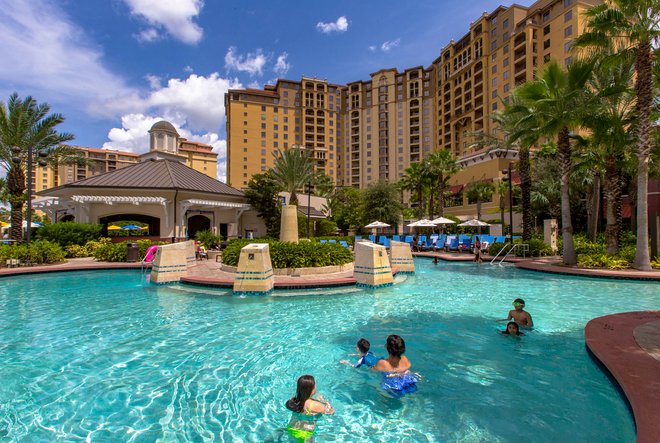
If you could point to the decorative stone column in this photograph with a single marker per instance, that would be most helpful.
(289, 224)
(372, 265)
(254, 275)
(550, 231)
(172, 262)
(401, 257)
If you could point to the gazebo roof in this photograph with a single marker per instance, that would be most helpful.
(155, 174)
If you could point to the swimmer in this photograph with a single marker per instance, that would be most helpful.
(512, 329)
(306, 409)
(435, 260)
(367, 358)
(397, 377)
(519, 315)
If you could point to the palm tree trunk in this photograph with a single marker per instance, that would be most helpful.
(479, 215)
(612, 198)
(593, 207)
(524, 169)
(564, 150)
(441, 196)
(644, 92)
(16, 187)
(420, 199)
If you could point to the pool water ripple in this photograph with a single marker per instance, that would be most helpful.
(109, 357)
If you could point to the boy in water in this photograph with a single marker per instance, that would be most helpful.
(519, 315)
(367, 358)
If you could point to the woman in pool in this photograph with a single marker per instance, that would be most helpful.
(306, 409)
(397, 378)
(512, 328)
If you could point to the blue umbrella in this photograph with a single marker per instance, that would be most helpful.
(131, 227)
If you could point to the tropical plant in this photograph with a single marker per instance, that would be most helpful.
(480, 192)
(442, 165)
(207, 238)
(632, 26)
(414, 180)
(69, 233)
(346, 208)
(305, 254)
(293, 169)
(381, 202)
(557, 100)
(24, 125)
(262, 194)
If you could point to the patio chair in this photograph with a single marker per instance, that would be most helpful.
(358, 237)
(332, 241)
(323, 241)
(344, 243)
(453, 244)
(382, 240)
(440, 243)
(465, 246)
(500, 239)
(372, 238)
(396, 237)
(408, 239)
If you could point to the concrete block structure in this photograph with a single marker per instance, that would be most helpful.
(372, 265)
(289, 224)
(254, 274)
(171, 262)
(401, 257)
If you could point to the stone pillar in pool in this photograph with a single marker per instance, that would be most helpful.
(254, 274)
(289, 224)
(372, 265)
(172, 261)
(401, 257)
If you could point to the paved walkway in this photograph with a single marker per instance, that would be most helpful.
(628, 344)
(72, 264)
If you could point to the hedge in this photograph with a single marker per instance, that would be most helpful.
(69, 233)
(38, 252)
(290, 255)
(116, 252)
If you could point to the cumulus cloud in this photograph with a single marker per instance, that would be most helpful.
(148, 35)
(341, 25)
(174, 16)
(281, 65)
(252, 63)
(388, 45)
(372, 48)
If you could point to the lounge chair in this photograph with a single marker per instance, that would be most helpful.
(440, 243)
(372, 238)
(323, 241)
(408, 239)
(358, 237)
(500, 239)
(332, 241)
(396, 237)
(344, 243)
(465, 246)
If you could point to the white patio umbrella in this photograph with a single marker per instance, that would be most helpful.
(474, 223)
(442, 221)
(375, 225)
(423, 223)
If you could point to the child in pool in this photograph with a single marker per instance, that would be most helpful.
(512, 329)
(367, 358)
(519, 315)
(306, 409)
(397, 380)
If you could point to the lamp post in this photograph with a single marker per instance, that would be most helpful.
(507, 177)
(16, 159)
(308, 190)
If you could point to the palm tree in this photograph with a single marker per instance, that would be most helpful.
(631, 26)
(442, 164)
(414, 180)
(480, 192)
(292, 170)
(26, 124)
(557, 100)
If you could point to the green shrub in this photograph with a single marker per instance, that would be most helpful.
(207, 238)
(69, 233)
(38, 252)
(116, 252)
(76, 251)
(326, 227)
(537, 248)
(495, 248)
(655, 263)
(290, 255)
(603, 260)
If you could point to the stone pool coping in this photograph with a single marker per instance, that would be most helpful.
(614, 341)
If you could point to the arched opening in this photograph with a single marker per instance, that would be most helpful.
(198, 223)
(152, 222)
(67, 218)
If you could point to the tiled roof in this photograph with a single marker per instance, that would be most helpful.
(313, 212)
(157, 174)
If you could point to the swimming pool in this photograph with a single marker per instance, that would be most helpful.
(109, 357)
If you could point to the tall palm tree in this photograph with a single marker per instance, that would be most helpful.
(557, 100)
(480, 192)
(442, 165)
(292, 170)
(26, 124)
(632, 26)
(414, 180)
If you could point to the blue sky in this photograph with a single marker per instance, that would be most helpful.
(115, 67)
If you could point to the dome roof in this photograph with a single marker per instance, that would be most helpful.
(163, 126)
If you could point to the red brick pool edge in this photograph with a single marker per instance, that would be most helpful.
(615, 341)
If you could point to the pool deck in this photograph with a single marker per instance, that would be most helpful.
(628, 345)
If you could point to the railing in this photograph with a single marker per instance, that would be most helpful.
(523, 247)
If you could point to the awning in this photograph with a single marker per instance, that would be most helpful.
(456, 189)
(215, 203)
(313, 212)
(112, 199)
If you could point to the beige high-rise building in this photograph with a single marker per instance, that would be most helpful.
(395, 119)
(306, 113)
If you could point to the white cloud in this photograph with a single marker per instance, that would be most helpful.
(56, 60)
(341, 25)
(148, 35)
(174, 16)
(188, 69)
(372, 48)
(281, 65)
(252, 63)
(153, 80)
(388, 45)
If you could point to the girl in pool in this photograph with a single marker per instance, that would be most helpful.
(398, 380)
(512, 328)
(306, 409)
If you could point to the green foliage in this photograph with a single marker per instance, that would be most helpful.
(381, 202)
(537, 248)
(38, 252)
(69, 233)
(655, 263)
(87, 250)
(302, 226)
(495, 248)
(116, 252)
(262, 193)
(293, 169)
(346, 208)
(290, 255)
(206, 238)
(603, 260)
(325, 227)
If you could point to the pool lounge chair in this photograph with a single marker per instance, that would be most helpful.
(344, 243)
(465, 246)
(453, 244)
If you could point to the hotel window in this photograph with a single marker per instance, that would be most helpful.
(263, 126)
(567, 3)
(568, 46)
(568, 16)
(506, 75)
(505, 23)
(505, 49)
(494, 106)
(568, 31)
(505, 63)
(546, 16)
(546, 44)
(263, 108)
(493, 45)
(493, 70)
(546, 30)
(506, 87)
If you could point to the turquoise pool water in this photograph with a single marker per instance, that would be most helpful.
(108, 357)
